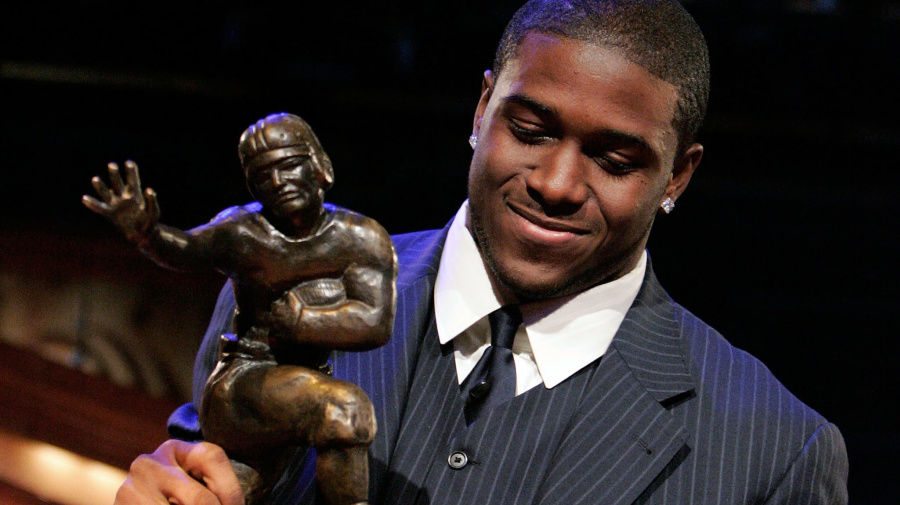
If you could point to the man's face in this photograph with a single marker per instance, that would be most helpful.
(288, 187)
(575, 153)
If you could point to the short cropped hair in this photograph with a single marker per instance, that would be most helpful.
(658, 35)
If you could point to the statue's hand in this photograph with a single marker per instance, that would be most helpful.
(133, 212)
(284, 314)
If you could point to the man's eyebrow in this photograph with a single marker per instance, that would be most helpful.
(621, 137)
(538, 108)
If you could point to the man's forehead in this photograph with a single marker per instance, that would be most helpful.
(592, 82)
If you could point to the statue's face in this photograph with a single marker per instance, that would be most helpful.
(288, 187)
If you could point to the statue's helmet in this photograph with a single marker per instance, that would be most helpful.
(280, 136)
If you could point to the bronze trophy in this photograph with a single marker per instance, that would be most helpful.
(308, 278)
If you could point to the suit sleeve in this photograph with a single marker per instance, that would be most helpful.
(183, 423)
(819, 473)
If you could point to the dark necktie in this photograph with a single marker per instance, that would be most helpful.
(493, 380)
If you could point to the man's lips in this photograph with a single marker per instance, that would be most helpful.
(539, 228)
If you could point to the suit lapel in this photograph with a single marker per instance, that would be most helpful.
(618, 440)
(651, 344)
(623, 440)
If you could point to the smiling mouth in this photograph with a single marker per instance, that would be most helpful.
(542, 229)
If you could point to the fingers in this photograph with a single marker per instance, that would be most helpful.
(152, 479)
(294, 302)
(209, 463)
(115, 179)
(98, 206)
(101, 188)
(176, 473)
(95, 205)
(132, 180)
(152, 207)
(131, 185)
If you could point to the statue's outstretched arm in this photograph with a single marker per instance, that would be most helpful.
(135, 213)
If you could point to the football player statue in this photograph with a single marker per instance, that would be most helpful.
(308, 278)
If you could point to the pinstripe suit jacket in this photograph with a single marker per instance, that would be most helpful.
(671, 414)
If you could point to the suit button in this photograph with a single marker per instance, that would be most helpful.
(480, 390)
(458, 460)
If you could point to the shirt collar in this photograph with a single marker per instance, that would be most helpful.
(565, 333)
(462, 290)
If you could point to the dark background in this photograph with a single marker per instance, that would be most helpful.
(785, 241)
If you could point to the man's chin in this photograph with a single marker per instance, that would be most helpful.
(533, 282)
(541, 278)
(521, 277)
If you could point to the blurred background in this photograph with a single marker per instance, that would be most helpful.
(785, 240)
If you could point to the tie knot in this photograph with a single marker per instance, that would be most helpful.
(504, 323)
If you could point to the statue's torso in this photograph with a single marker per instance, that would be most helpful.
(267, 263)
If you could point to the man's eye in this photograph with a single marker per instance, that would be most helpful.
(528, 134)
(614, 167)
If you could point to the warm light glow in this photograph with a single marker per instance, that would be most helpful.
(55, 474)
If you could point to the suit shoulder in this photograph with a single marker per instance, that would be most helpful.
(418, 254)
(414, 241)
(729, 376)
(740, 406)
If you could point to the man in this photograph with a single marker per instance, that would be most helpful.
(307, 278)
(583, 135)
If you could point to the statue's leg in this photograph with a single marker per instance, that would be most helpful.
(254, 408)
(250, 407)
(234, 414)
(342, 441)
(343, 475)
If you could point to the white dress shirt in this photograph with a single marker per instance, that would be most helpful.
(560, 336)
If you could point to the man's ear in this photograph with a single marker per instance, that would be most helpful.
(682, 171)
(487, 87)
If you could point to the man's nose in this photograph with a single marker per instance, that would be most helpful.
(559, 180)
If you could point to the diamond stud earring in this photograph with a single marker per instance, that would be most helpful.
(473, 140)
(667, 205)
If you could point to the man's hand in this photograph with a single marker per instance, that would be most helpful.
(184, 473)
(133, 212)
